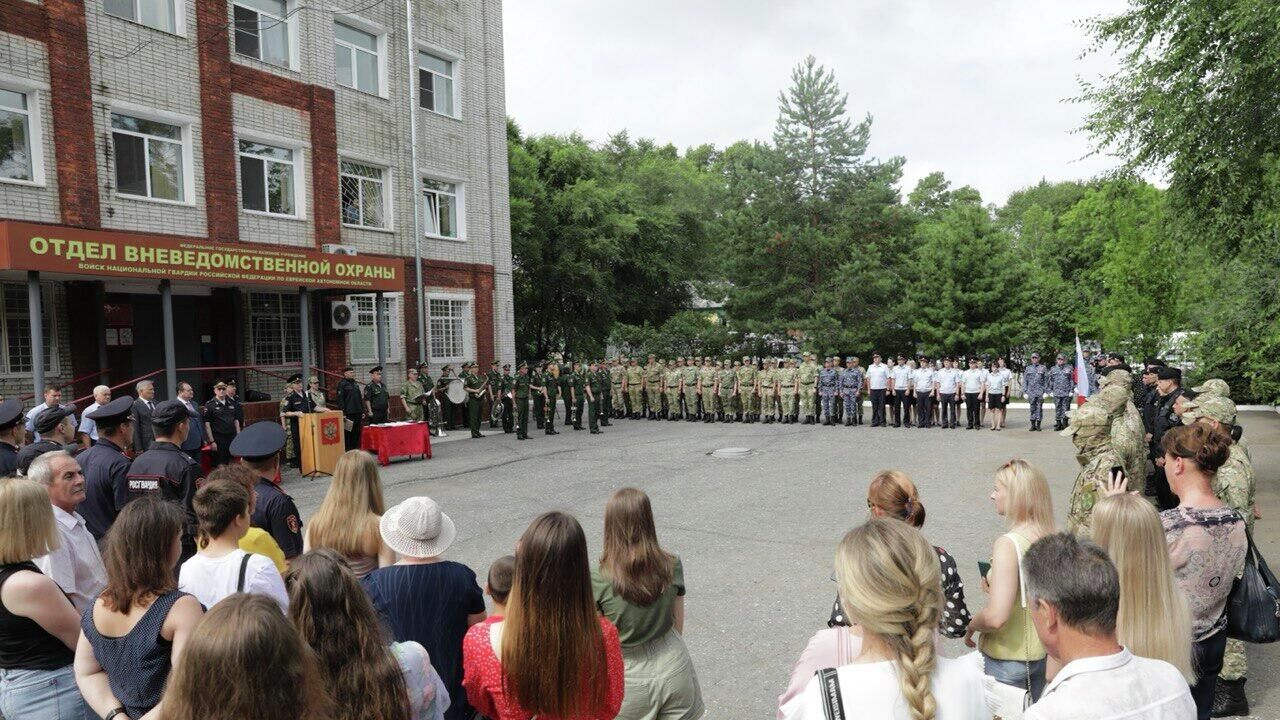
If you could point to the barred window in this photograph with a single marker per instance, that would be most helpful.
(275, 330)
(448, 328)
(364, 339)
(16, 330)
(364, 195)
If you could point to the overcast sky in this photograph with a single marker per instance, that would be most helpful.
(978, 89)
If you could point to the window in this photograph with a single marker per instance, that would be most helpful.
(149, 158)
(16, 331)
(357, 58)
(275, 335)
(364, 195)
(262, 30)
(435, 84)
(441, 200)
(364, 340)
(16, 146)
(159, 14)
(266, 179)
(448, 327)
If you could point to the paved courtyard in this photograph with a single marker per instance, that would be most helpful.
(757, 534)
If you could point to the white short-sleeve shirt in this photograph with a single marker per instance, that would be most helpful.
(871, 690)
(901, 377)
(948, 380)
(1115, 687)
(877, 376)
(211, 579)
(922, 378)
(996, 381)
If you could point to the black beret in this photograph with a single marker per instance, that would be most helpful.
(1153, 361)
(296, 377)
(1164, 372)
(259, 440)
(50, 418)
(374, 369)
(169, 413)
(10, 413)
(114, 412)
(1112, 368)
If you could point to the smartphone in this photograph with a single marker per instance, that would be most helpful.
(983, 568)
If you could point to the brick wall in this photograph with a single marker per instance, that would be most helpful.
(77, 168)
(217, 116)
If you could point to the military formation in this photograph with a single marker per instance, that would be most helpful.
(1121, 426)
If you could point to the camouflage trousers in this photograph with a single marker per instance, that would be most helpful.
(673, 403)
(769, 403)
(1234, 663)
(633, 399)
(851, 405)
(828, 405)
(654, 396)
(615, 394)
(1035, 403)
(726, 403)
(788, 402)
(807, 401)
(750, 402)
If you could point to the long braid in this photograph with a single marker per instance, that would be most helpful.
(917, 655)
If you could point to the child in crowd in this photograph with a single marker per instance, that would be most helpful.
(220, 568)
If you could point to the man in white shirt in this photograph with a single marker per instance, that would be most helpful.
(948, 382)
(52, 397)
(901, 388)
(76, 565)
(972, 382)
(1075, 595)
(877, 385)
(922, 384)
(89, 428)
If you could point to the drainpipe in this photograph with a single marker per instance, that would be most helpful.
(416, 193)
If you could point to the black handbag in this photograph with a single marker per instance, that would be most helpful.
(1253, 608)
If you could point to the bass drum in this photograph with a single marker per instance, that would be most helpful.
(456, 392)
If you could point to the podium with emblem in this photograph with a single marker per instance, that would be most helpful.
(322, 443)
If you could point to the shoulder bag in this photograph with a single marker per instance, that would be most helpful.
(1253, 610)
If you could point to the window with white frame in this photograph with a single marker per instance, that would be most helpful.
(435, 84)
(275, 331)
(16, 330)
(149, 158)
(364, 339)
(449, 327)
(262, 30)
(442, 207)
(357, 58)
(267, 178)
(159, 14)
(364, 195)
(17, 146)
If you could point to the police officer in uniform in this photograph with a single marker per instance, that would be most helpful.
(220, 423)
(1060, 387)
(1169, 387)
(351, 403)
(166, 472)
(377, 400)
(105, 466)
(475, 387)
(57, 429)
(851, 381)
(12, 432)
(258, 448)
(1035, 381)
(294, 405)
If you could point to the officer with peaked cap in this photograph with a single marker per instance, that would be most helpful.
(166, 471)
(12, 431)
(105, 467)
(258, 448)
(56, 433)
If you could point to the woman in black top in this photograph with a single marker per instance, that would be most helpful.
(892, 494)
(38, 624)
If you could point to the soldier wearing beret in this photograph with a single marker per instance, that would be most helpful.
(165, 471)
(105, 466)
(258, 448)
(57, 429)
(12, 433)
(377, 400)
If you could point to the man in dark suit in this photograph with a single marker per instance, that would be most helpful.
(143, 434)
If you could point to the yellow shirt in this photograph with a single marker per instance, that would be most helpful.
(1016, 639)
(260, 541)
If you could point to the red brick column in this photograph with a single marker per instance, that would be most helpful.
(324, 166)
(222, 205)
(482, 282)
(24, 18)
(71, 93)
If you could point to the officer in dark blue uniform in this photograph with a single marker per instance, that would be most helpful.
(166, 471)
(56, 433)
(221, 423)
(106, 469)
(12, 431)
(258, 447)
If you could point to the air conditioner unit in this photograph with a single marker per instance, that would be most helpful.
(342, 315)
(336, 249)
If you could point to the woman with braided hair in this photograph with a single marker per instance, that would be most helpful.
(891, 588)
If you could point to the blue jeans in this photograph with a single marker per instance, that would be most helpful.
(1014, 673)
(42, 695)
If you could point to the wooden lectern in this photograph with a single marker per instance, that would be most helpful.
(322, 442)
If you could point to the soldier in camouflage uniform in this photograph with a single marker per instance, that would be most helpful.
(1126, 423)
(707, 390)
(634, 386)
(1061, 388)
(617, 373)
(653, 386)
(689, 389)
(671, 388)
(1090, 429)
(807, 377)
(1035, 380)
(767, 380)
(1235, 485)
(726, 390)
(828, 384)
(851, 381)
(748, 389)
(787, 389)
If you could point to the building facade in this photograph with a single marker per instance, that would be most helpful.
(232, 149)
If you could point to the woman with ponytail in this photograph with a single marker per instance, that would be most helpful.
(890, 588)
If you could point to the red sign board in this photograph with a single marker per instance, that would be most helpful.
(106, 253)
(330, 433)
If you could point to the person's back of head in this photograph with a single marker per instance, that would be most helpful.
(333, 614)
(893, 492)
(632, 558)
(218, 504)
(244, 660)
(891, 585)
(347, 518)
(238, 474)
(501, 575)
(1075, 593)
(553, 654)
(27, 519)
(1153, 619)
(141, 549)
(1027, 500)
(1205, 447)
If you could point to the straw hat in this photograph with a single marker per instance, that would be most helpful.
(417, 528)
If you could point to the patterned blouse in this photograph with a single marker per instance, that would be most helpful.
(955, 616)
(1207, 547)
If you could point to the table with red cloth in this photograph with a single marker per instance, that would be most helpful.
(396, 440)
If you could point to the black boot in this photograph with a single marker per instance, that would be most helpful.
(1229, 699)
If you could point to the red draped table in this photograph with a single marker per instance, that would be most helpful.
(396, 440)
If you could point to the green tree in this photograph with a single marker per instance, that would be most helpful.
(818, 142)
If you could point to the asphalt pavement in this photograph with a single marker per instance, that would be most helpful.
(757, 533)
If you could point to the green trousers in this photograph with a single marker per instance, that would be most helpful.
(473, 416)
(522, 416)
(593, 413)
(550, 414)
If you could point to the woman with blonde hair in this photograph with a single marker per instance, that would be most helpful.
(347, 521)
(245, 661)
(640, 588)
(890, 587)
(1154, 620)
(1011, 651)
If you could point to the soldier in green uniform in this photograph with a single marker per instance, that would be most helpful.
(521, 386)
(749, 390)
(1089, 427)
(551, 388)
(507, 385)
(768, 383)
(537, 387)
(596, 386)
(411, 395)
(447, 408)
(689, 389)
(671, 388)
(787, 389)
(726, 390)
(653, 387)
(604, 375)
(578, 380)
(376, 398)
(807, 377)
(567, 394)
(492, 387)
(617, 381)
(632, 383)
(475, 387)
(707, 390)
